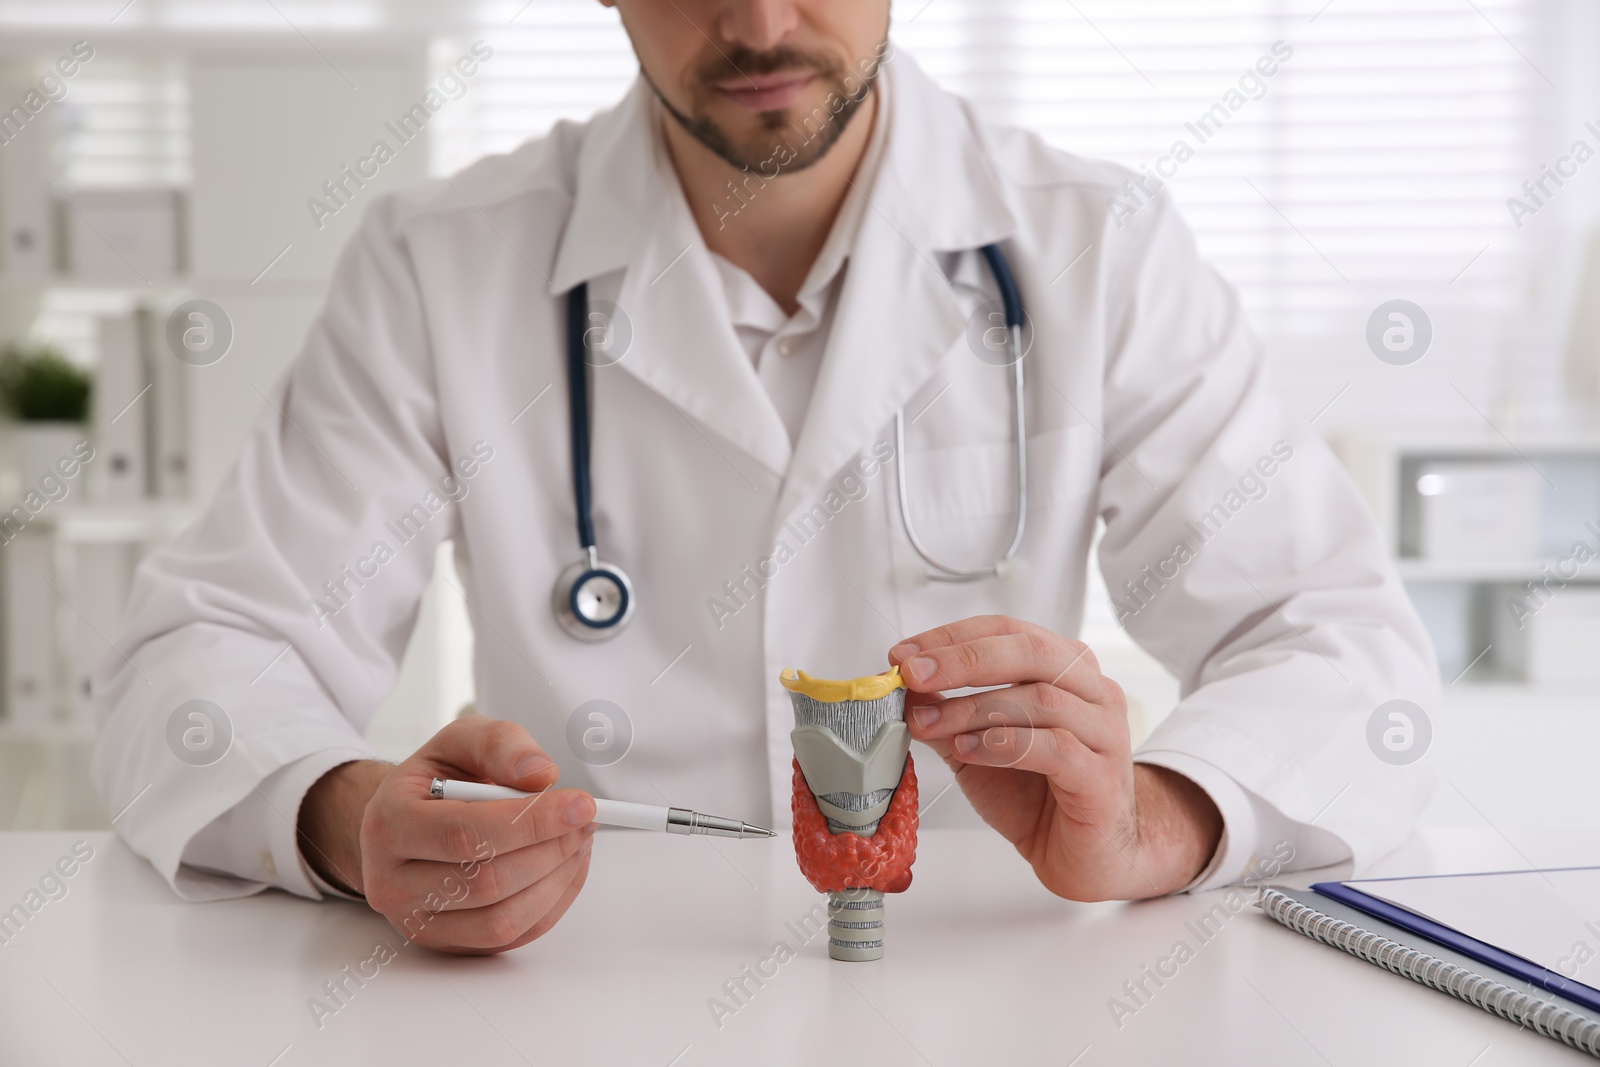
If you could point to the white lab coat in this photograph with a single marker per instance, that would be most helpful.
(1147, 407)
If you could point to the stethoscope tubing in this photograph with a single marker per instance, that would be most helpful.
(578, 398)
(578, 405)
(1016, 320)
(607, 583)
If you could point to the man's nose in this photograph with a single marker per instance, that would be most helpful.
(758, 24)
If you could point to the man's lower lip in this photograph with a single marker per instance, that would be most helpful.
(773, 98)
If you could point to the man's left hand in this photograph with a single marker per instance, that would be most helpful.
(1047, 760)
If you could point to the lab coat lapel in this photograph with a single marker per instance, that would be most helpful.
(686, 349)
(896, 319)
(898, 315)
(628, 213)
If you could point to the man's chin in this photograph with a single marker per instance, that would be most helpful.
(790, 138)
(768, 142)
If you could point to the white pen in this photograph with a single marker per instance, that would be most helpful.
(614, 812)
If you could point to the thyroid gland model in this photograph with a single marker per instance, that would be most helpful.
(855, 801)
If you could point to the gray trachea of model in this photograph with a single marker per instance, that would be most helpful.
(852, 753)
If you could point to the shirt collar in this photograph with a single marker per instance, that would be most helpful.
(749, 305)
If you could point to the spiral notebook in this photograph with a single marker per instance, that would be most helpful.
(1535, 959)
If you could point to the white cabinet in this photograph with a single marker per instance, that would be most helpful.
(1498, 541)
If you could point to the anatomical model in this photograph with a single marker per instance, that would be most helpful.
(855, 801)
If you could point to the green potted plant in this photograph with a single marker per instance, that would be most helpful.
(48, 397)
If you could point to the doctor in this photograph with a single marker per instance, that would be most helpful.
(779, 231)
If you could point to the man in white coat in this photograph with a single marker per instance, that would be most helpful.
(786, 216)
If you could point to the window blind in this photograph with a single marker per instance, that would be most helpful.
(1376, 158)
(559, 59)
(1375, 162)
(124, 123)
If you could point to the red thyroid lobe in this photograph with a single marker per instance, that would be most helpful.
(833, 862)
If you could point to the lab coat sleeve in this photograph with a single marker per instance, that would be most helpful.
(1239, 554)
(287, 606)
(229, 847)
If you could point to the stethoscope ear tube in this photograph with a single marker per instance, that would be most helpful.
(578, 404)
(1006, 282)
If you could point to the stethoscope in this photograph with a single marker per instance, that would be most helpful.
(593, 599)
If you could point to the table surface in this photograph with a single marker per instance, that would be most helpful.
(983, 966)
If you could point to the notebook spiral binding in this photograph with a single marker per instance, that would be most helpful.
(1549, 1019)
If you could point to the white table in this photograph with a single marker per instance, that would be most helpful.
(983, 966)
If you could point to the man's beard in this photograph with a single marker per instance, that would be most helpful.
(781, 129)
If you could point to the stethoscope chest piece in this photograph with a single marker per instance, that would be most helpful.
(592, 599)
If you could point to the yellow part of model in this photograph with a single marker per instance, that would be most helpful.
(832, 692)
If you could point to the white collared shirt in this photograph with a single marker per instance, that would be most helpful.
(786, 350)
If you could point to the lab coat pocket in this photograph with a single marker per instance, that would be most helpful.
(962, 499)
(962, 503)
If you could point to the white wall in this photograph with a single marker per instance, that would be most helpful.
(269, 129)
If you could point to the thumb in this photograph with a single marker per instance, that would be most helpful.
(492, 750)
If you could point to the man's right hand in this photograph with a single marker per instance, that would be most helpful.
(469, 878)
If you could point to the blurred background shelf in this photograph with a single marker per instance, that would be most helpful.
(1498, 541)
(177, 166)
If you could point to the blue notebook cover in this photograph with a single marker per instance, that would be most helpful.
(1470, 947)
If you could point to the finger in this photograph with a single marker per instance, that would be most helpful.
(1053, 753)
(498, 926)
(1007, 659)
(478, 884)
(968, 629)
(459, 831)
(1033, 706)
(491, 750)
(956, 633)
(553, 916)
